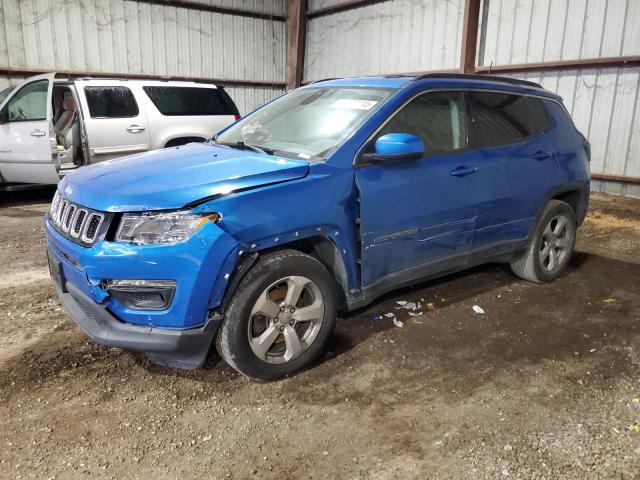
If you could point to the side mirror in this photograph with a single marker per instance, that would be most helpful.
(3, 116)
(396, 146)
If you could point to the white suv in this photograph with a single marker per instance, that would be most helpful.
(49, 126)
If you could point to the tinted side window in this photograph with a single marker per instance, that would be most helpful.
(29, 103)
(111, 102)
(188, 101)
(498, 119)
(437, 118)
(539, 120)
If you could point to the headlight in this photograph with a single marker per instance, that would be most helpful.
(155, 228)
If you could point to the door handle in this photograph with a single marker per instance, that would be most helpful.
(463, 170)
(135, 128)
(38, 133)
(540, 155)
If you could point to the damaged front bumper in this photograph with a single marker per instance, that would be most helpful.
(179, 335)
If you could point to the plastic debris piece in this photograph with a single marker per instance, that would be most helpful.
(415, 313)
(478, 309)
(635, 402)
(376, 318)
(635, 428)
(431, 307)
(592, 350)
(402, 303)
(609, 300)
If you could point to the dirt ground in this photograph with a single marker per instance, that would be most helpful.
(540, 386)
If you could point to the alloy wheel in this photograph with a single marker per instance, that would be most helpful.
(555, 243)
(285, 319)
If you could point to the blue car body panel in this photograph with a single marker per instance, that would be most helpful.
(388, 224)
(174, 177)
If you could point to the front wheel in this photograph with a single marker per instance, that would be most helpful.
(551, 245)
(280, 317)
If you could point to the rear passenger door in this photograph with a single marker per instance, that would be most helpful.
(116, 125)
(509, 130)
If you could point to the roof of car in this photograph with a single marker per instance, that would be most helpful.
(461, 80)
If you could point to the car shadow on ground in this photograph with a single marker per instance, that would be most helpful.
(26, 197)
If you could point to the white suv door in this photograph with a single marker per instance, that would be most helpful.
(27, 143)
(115, 122)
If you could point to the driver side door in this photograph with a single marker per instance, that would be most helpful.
(418, 217)
(27, 146)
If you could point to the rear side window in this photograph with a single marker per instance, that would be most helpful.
(111, 102)
(498, 119)
(538, 120)
(437, 118)
(182, 101)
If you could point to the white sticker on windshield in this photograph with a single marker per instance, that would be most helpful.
(354, 104)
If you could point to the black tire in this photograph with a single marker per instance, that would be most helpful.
(232, 341)
(532, 266)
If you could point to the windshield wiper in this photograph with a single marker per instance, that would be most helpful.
(245, 146)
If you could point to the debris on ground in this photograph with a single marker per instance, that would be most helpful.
(377, 317)
(413, 309)
(609, 300)
(478, 310)
(395, 321)
(635, 402)
(431, 307)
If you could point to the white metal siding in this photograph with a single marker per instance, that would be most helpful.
(317, 4)
(266, 6)
(249, 98)
(124, 36)
(604, 106)
(528, 31)
(384, 38)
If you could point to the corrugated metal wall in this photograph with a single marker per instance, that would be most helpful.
(528, 31)
(603, 102)
(412, 35)
(125, 36)
(383, 38)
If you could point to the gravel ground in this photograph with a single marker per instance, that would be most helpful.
(539, 386)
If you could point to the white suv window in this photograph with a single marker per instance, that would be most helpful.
(182, 101)
(111, 102)
(29, 103)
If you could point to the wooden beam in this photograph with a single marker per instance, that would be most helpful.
(296, 41)
(191, 5)
(142, 76)
(342, 7)
(470, 24)
(615, 178)
(578, 64)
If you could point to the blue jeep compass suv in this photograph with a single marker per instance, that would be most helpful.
(317, 202)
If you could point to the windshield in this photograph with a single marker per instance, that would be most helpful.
(5, 92)
(308, 123)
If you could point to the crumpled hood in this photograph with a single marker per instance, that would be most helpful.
(174, 177)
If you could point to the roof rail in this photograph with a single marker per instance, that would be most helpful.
(323, 80)
(476, 76)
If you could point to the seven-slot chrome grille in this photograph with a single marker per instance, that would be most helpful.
(74, 221)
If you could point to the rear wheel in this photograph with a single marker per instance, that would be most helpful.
(551, 245)
(280, 317)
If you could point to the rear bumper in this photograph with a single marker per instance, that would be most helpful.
(174, 348)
